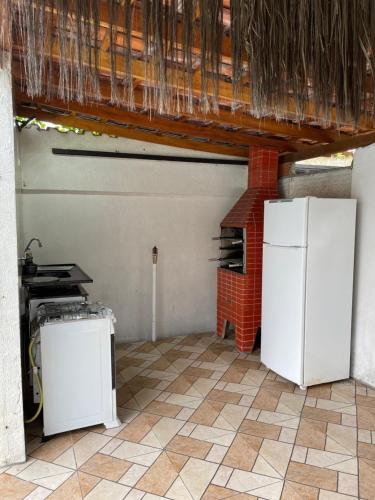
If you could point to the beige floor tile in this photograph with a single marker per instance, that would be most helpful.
(299, 454)
(322, 391)
(368, 401)
(366, 478)
(297, 491)
(319, 414)
(87, 482)
(107, 490)
(160, 476)
(164, 430)
(177, 491)
(87, 446)
(187, 429)
(53, 448)
(135, 494)
(182, 400)
(71, 490)
(189, 446)
(222, 475)
(39, 493)
(201, 387)
(111, 446)
(242, 389)
(213, 435)
(282, 419)
(348, 484)
(260, 429)
(349, 466)
(341, 439)
(366, 418)
(270, 492)
(366, 450)
(224, 396)
(137, 429)
(331, 495)
(290, 403)
(230, 417)
(145, 396)
(196, 476)
(234, 374)
(207, 412)
(12, 488)
(254, 377)
(237, 458)
(312, 476)
(197, 372)
(163, 409)
(194, 398)
(133, 475)
(106, 467)
(364, 436)
(137, 453)
(287, 435)
(312, 433)
(325, 458)
(217, 453)
(276, 454)
(214, 492)
(278, 386)
(266, 399)
(249, 482)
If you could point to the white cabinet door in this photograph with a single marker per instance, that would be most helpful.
(283, 301)
(285, 222)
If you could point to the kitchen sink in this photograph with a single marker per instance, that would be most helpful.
(55, 273)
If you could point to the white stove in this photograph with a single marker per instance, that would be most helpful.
(78, 366)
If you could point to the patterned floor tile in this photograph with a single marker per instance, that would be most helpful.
(297, 491)
(200, 420)
(236, 457)
(14, 488)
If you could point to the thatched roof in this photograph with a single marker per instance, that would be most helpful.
(285, 59)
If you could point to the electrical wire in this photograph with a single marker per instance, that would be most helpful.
(37, 378)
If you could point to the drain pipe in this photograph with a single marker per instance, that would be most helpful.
(154, 261)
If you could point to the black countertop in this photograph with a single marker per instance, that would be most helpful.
(55, 275)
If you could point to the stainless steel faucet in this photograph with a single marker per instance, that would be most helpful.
(27, 252)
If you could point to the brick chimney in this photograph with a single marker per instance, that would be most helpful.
(239, 293)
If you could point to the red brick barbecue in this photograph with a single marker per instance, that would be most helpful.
(239, 277)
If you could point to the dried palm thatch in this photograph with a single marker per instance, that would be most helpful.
(294, 55)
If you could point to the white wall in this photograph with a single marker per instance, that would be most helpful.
(12, 443)
(107, 214)
(330, 184)
(363, 188)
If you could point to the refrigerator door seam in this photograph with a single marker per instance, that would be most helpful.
(303, 326)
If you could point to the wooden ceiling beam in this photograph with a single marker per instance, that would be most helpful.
(130, 133)
(163, 125)
(356, 141)
(238, 119)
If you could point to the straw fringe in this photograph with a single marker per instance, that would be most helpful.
(295, 56)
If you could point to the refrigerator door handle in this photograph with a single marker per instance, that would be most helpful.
(282, 246)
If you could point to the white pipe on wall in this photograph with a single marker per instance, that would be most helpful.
(154, 262)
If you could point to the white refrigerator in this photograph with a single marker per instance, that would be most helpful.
(308, 257)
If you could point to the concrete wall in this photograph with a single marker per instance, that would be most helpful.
(12, 444)
(107, 214)
(330, 184)
(363, 188)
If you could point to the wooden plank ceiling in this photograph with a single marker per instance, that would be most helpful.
(228, 132)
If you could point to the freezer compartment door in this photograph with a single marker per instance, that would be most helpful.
(285, 222)
(283, 299)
